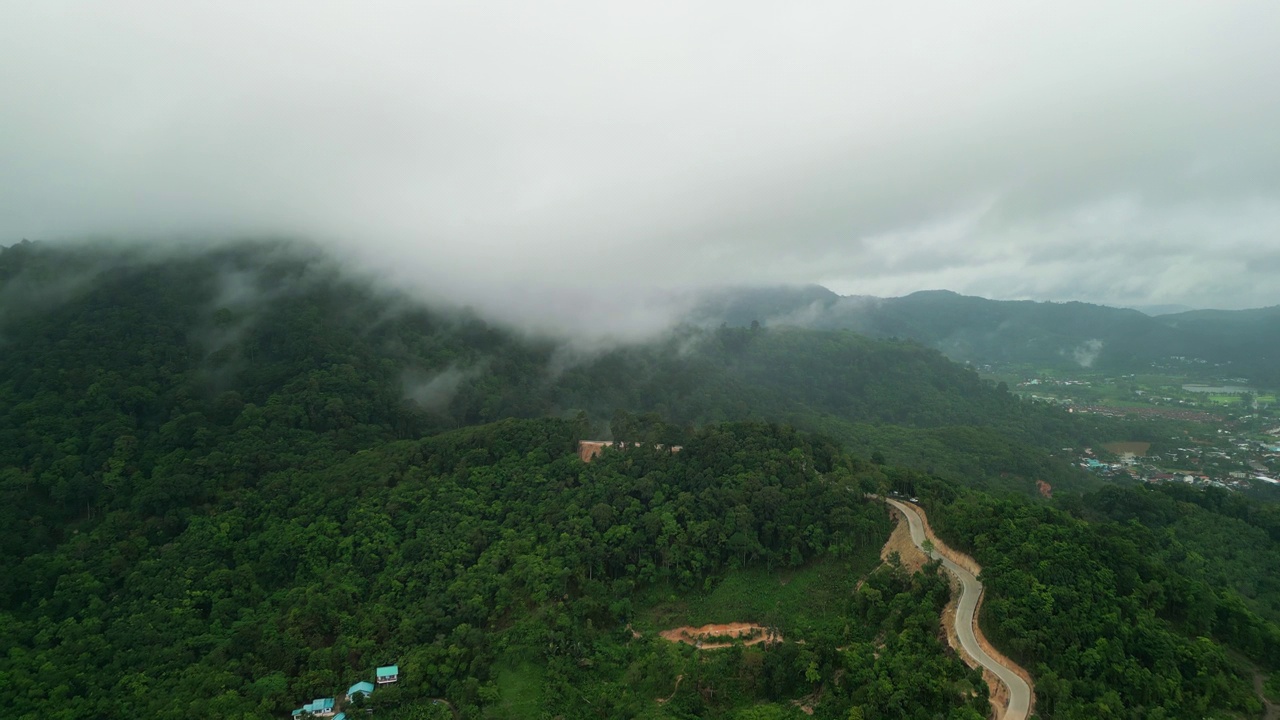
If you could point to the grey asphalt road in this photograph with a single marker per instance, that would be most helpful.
(970, 591)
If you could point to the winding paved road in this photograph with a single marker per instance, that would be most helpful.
(970, 591)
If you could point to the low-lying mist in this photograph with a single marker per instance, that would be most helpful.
(582, 169)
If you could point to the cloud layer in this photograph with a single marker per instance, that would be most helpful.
(567, 159)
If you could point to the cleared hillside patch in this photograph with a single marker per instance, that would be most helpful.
(520, 693)
(796, 601)
(1139, 449)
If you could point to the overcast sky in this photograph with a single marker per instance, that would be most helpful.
(547, 156)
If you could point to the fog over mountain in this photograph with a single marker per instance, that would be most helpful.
(577, 165)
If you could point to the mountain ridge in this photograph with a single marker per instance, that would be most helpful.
(1059, 335)
(202, 346)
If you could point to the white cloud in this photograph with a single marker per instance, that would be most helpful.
(554, 163)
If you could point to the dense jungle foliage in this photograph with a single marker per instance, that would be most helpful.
(1133, 602)
(234, 480)
(445, 554)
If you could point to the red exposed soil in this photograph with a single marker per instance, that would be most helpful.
(1045, 488)
(588, 449)
(749, 633)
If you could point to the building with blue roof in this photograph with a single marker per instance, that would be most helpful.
(322, 707)
(340, 716)
(388, 674)
(364, 687)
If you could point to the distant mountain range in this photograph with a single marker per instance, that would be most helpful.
(1226, 343)
(1154, 310)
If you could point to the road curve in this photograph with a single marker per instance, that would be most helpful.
(970, 591)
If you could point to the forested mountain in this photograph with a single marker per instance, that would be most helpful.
(119, 345)
(1040, 334)
(236, 479)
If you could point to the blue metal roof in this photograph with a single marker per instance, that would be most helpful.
(340, 716)
(321, 704)
(388, 670)
(364, 686)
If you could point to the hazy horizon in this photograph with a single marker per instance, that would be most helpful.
(575, 165)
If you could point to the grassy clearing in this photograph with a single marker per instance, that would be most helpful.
(1224, 399)
(1162, 383)
(519, 693)
(798, 601)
